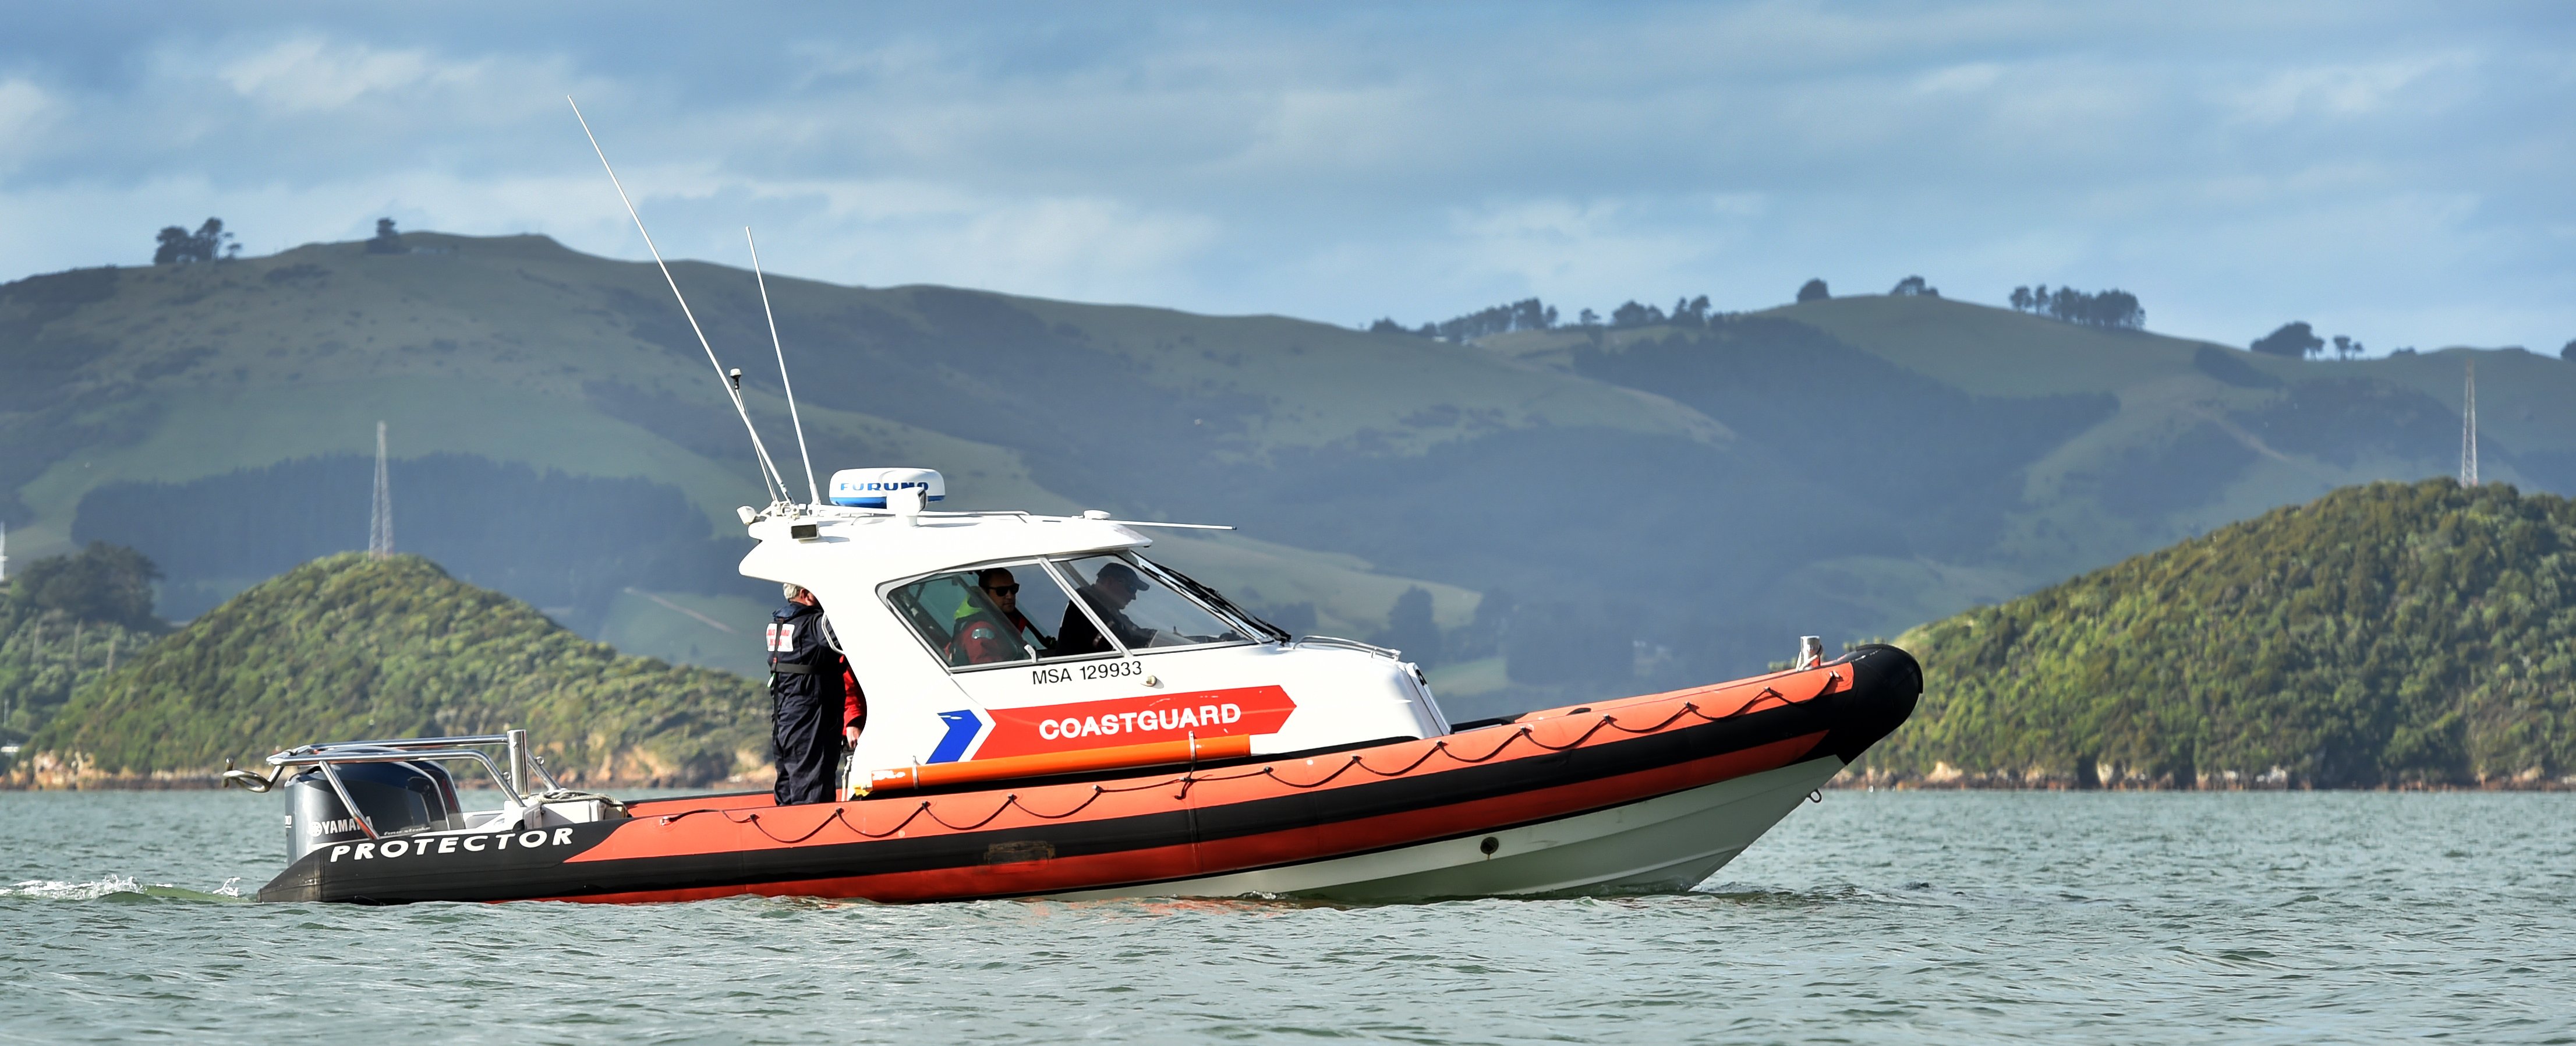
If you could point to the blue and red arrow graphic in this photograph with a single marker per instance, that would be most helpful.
(963, 725)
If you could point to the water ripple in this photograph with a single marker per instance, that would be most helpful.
(1870, 918)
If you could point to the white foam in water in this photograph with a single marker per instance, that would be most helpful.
(61, 891)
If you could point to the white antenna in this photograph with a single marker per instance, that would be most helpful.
(811, 490)
(732, 382)
(2469, 429)
(4, 550)
(380, 523)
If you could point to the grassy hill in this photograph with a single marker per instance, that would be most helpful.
(2187, 435)
(2388, 634)
(151, 388)
(1592, 511)
(349, 647)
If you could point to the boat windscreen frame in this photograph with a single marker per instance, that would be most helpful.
(1254, 630)
(1212, 600)
(1248, 635)
(885, 596)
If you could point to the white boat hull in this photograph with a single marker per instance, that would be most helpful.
(1670, 842)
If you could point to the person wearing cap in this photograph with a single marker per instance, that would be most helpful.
(816, 706)
(1108, 595)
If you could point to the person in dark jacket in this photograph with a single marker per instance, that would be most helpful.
(1108, 595)
(816, 705)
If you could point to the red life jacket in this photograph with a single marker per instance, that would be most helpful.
(984, 640)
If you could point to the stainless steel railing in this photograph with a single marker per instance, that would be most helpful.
(513, 784)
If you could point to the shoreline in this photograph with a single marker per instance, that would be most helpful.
(2007, 781)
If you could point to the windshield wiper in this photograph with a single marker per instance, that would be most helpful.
(1221, 603)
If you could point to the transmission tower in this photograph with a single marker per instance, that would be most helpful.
(380, 523)
(2469, 430)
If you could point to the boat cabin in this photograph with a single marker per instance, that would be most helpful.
(1002, 644)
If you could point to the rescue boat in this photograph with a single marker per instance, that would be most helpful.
(1185, 749)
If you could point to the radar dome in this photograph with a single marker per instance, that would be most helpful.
(867, 488)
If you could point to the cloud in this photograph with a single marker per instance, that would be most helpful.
(309, 73)
(2227, 159)
(2338, 91)
(26, 111)
(1959, 79)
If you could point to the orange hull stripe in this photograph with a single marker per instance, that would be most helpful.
(685, 826)
(1219, 857)
(1119, 757)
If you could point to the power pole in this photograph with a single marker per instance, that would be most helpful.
(380, 524)
(2469, 429)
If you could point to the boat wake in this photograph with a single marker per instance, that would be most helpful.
(118, 888)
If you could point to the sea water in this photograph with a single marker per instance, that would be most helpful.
(1905, 917)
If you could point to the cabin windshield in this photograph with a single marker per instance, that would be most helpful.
(1018, 613)
(1141, 607)
(1004, 614)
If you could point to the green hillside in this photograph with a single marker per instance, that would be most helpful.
(196, 384)
(45, 655)
(2190, 435)
(347, 647)
(1846, 467)
(2387, 634)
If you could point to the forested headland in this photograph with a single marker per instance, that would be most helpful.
(349, 647)
(2387, 635)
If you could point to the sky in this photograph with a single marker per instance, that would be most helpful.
(2400, 173)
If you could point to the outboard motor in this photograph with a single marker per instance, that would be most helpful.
(395, 797)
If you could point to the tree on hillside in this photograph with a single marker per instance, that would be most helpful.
(1527, 314)
(1409, 627)
(387, 241)
(1635, 315)
(1589, 318)
(2114, 308)
(103, 582)
(1913, 287)
(2294, 340)
(2568, 352)
(1691, 312)
(179, 246)
(1813, 290)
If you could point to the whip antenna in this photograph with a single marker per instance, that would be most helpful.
(732, 385)
(810, 490)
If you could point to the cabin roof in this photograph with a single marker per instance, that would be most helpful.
(876, 546)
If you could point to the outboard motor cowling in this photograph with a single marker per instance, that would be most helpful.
(395, 797)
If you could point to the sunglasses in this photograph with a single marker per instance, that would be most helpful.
(1003, 590)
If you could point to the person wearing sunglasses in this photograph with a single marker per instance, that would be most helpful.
(992, 630)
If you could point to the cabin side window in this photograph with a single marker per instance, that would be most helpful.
(1004, 614)
(1140, 610)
